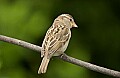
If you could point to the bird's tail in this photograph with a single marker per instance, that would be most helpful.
(44, 64)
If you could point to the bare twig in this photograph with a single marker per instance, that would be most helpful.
(63, 57)
(90, 66)
(20, 43)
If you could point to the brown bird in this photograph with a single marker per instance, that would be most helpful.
(56, 40)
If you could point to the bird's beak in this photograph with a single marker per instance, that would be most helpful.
(74, 25)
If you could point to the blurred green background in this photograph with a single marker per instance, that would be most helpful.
(96, 40)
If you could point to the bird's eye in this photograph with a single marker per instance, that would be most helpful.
(70, 19)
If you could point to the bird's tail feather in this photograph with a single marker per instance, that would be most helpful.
(43, 66)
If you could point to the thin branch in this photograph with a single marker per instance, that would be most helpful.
(20, 43)
(90, 66)
(63, 57)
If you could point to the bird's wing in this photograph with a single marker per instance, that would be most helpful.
(55, 38)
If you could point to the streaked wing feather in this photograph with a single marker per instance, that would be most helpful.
(54, 41)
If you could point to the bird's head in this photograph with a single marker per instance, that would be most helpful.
(67, 20)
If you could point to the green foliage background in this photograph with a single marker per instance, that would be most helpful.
(96, 40)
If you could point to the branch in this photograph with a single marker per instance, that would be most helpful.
(63, 57)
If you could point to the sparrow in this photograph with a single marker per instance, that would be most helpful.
(56, 39)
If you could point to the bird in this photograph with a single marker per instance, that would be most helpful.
(56, 39)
